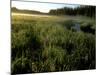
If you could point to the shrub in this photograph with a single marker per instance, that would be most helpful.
(88, 28)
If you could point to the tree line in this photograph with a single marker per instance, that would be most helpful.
(14, 9)
(89, 11)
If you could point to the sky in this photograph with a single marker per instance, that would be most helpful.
(42, 7)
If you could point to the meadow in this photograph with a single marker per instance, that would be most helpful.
(49, 43)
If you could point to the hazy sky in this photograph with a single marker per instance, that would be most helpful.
(43, 7)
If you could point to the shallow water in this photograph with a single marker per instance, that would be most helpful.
(76, 27)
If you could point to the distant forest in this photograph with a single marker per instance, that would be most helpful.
(89, 11)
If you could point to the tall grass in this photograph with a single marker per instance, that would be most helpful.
(48, 46)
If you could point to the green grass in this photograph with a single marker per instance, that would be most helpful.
(47, 44)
